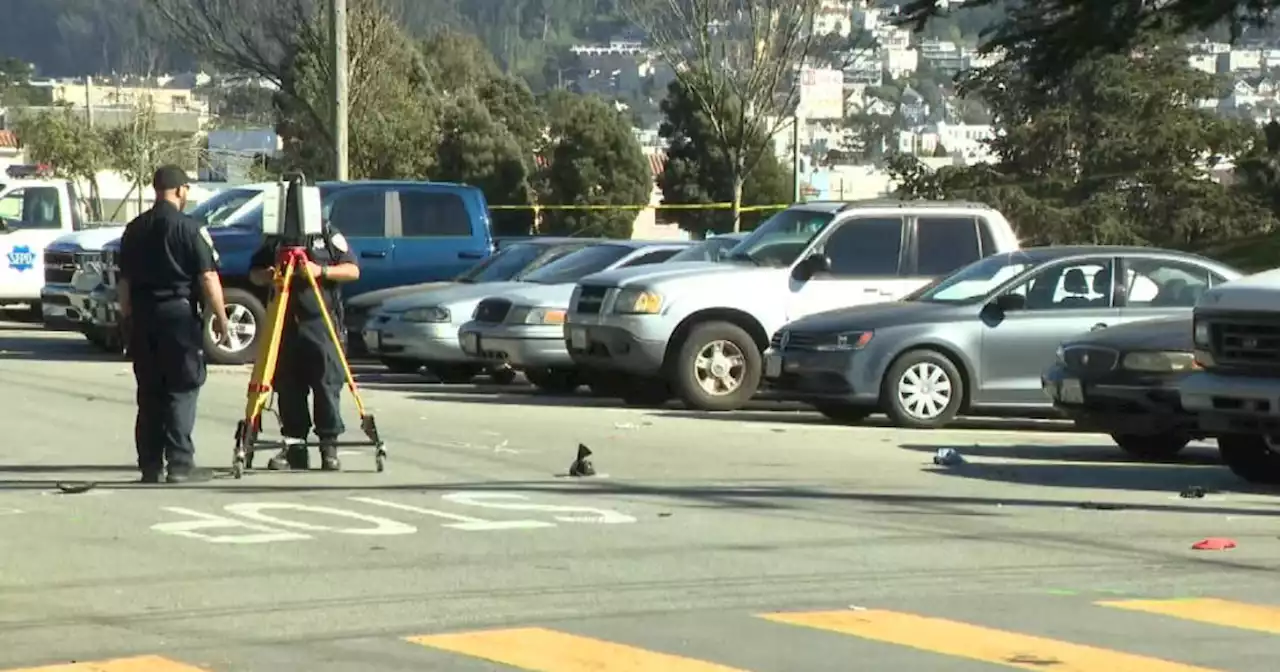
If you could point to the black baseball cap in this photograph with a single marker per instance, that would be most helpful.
(169, 177)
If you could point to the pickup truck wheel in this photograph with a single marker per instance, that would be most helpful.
(554, 381)
(401, 365)
(1152, 447)
(922, 390)
(718, 367)
(845, 413)
(1254, 458)
(247, 317)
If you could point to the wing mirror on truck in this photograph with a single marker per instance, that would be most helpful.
(811, 265)
(1009, 302)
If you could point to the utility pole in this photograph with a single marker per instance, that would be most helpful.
(338, 40)
(88, 100)
(795, 158)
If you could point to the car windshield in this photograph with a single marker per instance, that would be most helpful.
(502, 265)
(975, 281)
(711, 249)
(222, 205)
(573, 267)
(781, 239)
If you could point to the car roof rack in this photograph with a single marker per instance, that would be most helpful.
(909, 203)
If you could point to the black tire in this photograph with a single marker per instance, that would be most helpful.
(95, 337)
(1154, 446)
(454, 374)
(686, 376)
(249, 305)
(923, 362)
(554, 381)
(401, 365)
(1251, 457)
(848, 414)
(502, 376)
(646, 392)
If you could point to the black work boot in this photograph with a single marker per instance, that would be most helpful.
(293, 457)
(329, 457)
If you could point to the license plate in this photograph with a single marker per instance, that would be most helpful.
(1071, 392)
(578, 339)
(772, 366)
(473, 343)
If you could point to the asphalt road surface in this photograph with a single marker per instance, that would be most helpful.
(766, 540)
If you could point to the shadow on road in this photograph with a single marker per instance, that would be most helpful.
(1092, 467)
(51, 347)
(806, 416)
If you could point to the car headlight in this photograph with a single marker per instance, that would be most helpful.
(638, 302)
(1160, 362)
(544, 316)
(434, 314)
(849, 340)
(1200, 334)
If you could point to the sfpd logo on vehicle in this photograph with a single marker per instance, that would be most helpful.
(21, 258)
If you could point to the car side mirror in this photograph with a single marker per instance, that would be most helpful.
(1010, 302)
(812, 265)
(4, 224)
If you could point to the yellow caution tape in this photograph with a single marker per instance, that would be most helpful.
(673, 206)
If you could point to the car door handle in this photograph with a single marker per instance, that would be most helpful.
(1100, 325)
(372, 254)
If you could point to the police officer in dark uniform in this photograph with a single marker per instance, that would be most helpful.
(167, 265)
(308, 359)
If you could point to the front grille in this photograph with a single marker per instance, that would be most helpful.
(492, 310)
(591, 299)
(59, 267)
(1087, 360)
(111, 267)
(799, 340)
(1248, 340)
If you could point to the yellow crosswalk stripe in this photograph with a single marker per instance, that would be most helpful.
(136, 664)
(542, 650)
(1208, 610)
(974, 642)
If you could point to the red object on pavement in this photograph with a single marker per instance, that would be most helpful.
(1214, 544)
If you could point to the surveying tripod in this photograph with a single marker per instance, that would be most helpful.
(290, 260)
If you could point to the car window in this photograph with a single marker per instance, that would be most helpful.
(502, 265)
(32, 208)
(433, 214)
(779, 241)
(220, 206)
(1163, 283)
(944, 244)
(359, 213)
(1079, 284)
(655, 257)
(579, 264)
(865, 247)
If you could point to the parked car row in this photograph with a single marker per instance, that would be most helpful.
(1213, 373)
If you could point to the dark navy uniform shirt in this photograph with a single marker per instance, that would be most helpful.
(163, 253)
(330, 250)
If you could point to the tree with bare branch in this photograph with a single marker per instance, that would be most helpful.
(740, 60)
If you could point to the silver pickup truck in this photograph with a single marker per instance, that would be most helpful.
(698, 330)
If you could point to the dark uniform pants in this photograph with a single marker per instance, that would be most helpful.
(166, 346)
(309, 364)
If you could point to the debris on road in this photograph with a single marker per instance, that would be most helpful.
(948, 457)
(625, 425)
(76, 488)
(582, 465)
(1213, 544)
(1193, 492)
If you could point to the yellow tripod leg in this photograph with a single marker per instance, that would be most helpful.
(367, 423)
(264, 369)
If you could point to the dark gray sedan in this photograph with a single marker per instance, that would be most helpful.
(978, 339)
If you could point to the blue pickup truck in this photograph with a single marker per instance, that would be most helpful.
(402, 232)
